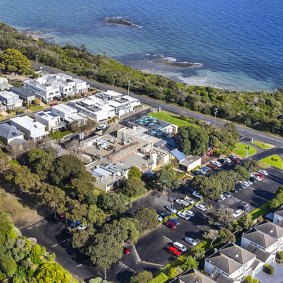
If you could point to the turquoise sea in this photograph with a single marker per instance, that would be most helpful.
(238, 42)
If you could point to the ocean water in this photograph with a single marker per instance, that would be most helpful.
(238, 42)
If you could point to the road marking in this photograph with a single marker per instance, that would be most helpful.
(167, 239)
(79, 265)
(53, 246)
(125, 265)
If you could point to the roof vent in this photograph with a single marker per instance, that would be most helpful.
(271, 231)
(236, 255)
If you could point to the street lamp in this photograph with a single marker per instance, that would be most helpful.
(215, 113)
(129, 82)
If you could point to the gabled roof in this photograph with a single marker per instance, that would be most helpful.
(8, 132)
(270, 229)
(237, 253)
(279, 212)
(258, 237)
(192, 276)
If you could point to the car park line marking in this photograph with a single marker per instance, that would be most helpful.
(138, 259)
(152, 263)
(167, 239)
(53, 246)
(125, 265)
(79, 265)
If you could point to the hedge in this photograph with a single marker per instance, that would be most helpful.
(267, 268)
(161, 278)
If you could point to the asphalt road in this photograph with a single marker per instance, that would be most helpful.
(244, 131)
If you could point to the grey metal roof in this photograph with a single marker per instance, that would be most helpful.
(237, 253)
(23, 92)
(261, 239)
(192, 276)
(7, 131)
(260, 254)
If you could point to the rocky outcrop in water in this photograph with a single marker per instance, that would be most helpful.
(124, 21)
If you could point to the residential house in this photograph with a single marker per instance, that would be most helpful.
(51, 120)
(33, 130)
(278, 217)
(10, 134)
(192, 276)
(231, 261)
(24, 93)
(11, 100)
(4, 84)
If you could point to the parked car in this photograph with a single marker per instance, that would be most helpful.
(191, 241)
(126, 251)
(171, 225)
(227, 160)
(227, 195)
(245, 207)
(253, 179)
(74, 224)
(163, 214)
(200, 207)
(211, 166)
(197, 195)
(237, 213)
(180, 247)
(221, 197)
(188, 199)
(179, 201)
(159, 218)
(264, 172)
(101, 127)
(183, 215)
(174, 220)
(171, 209)
(236, 160)
(82, 227)
(174, 251)
(216, 163)
(189, 212)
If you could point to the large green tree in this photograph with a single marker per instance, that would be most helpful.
(12, 60)
(142, 277)
(146, 219)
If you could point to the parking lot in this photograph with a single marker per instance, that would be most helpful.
(151, 248)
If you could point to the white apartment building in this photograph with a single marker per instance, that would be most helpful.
(105, 105)
(68, 114)
(33, 130)
(56, 85)
(11, 100)
(51, 120)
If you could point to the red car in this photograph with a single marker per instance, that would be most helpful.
(174, 251)
(171, 225)
(126, 251)
(236, 160)
(211, 166)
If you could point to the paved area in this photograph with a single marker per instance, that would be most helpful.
(276, 277)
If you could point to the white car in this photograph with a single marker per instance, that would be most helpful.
(200, 207)
(82, 227)
(221, 197)
(171, 209)
(186, 203)
(159, 218)
(101, 127)
(227, 195)
(246, 183)
(227, 160)
(197, 195)
(216, 163)
(191, 241)
(189, 212)
(180, 201)
(183, 215)
(188, 199)
(180, 247)
(238, 213)
(264, 172)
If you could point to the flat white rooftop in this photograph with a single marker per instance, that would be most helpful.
(64, 108)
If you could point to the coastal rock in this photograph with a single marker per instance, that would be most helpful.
(124, 21)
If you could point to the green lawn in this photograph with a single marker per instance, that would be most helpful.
(171, 118)
(262, 144)
(264, 209)
(272, 160)
(244, 150)
(36, 108)
(59, 135)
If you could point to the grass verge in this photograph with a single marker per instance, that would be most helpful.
(244, 150)
(272, 160)
(171, 118)
(262, 210)
(262, 145)
(60, 134)
(36, 108)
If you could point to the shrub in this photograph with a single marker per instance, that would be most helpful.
(250, 279)
(280, 257)
(267, 268)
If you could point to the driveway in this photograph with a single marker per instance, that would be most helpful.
(276, 277)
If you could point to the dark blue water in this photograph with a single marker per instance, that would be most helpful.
(239, 42)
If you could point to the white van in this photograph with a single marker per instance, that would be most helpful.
(180, 247)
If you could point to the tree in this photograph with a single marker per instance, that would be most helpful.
(146, 219)
(189, 263)
(226, 236)
(12, 60)
(250, 279)
(211, 236)
(142, 277)
(80, 238)
(172, 273)
(198, 252)
(105, 250)
(246, 222)
(250, 165)
(134, 172)
(242, 172)
(193, 140)
(113, 203)
(134, 187)
(223, 217)
(166, 177)
(53, 273)
(8, 265)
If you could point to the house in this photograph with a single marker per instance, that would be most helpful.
(56, 85)
(192, 276)
(4, 85)
(278, 217)
(32, 130)
(51, 120)
(186, 163)
(266, 236)
(11, 100)
(68, 114)
(24, 93)
(231, 262)
(10, 134)
(108, 176)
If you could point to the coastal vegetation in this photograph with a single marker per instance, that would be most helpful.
(260, 110)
